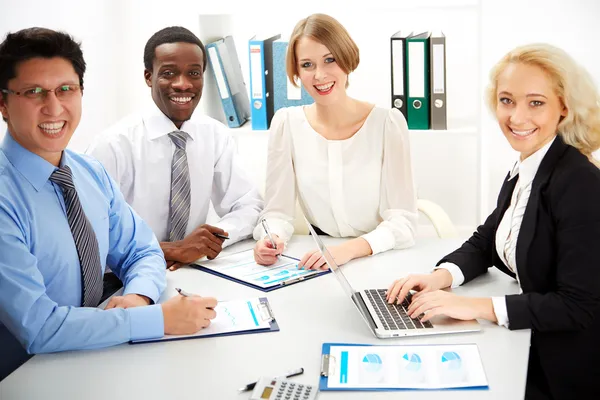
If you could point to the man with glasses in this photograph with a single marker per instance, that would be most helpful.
(63, 221)
(171, 163)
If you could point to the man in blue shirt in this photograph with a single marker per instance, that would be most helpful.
(63, 221)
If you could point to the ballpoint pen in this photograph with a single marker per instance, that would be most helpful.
(288, 374)
(221, 236)
(183, 292)
(268, 232)
(186, 294)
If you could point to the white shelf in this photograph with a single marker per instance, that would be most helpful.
(247, 131)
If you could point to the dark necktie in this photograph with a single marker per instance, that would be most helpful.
(179, 207)
(84, 237)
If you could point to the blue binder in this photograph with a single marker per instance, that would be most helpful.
(285, 94)
(227, 71)
(261, 81)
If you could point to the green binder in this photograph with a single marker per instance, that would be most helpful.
(417, 57)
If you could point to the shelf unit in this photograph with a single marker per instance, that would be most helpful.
(446, 163)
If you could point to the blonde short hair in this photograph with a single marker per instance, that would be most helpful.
(572, 84)
(331, 34)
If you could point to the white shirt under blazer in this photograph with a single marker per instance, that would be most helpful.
(137, 153)
(357, 187)
(510, 225)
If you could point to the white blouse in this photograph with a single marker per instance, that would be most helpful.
(360, 186)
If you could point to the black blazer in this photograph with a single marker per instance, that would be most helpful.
(558, 261)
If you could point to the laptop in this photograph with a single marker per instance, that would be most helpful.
(387, 320)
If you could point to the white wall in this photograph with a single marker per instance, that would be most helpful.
(88, 22)
(462, 170)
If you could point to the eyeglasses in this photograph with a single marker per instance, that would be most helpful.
(63, 92)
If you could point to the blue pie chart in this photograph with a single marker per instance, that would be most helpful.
(451, 360)
(412, 362)
(372, 363)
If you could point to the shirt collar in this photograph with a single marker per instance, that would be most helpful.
(529, 167)
(157, 124)
(33, 167)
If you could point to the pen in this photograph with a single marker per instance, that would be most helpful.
(186, 294)
(268, 232)
(221, 236)
(288, 374)
(183, 292)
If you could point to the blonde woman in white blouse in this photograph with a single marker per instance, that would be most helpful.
(346, 161)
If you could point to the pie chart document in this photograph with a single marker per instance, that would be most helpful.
(373, 367)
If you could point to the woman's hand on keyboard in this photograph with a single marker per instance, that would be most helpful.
(421, 283)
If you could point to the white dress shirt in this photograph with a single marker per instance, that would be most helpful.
(137, 153)
(361, 186)
(509, 227)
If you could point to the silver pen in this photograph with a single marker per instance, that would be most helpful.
(268, 232)
(186, 294)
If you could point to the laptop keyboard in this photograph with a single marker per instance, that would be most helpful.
(394, 316)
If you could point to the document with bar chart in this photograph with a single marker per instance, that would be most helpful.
(397, 367)
(234, 317)
(241, 267)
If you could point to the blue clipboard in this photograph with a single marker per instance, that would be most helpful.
(324, 379)
(274, 327)
(200, 267)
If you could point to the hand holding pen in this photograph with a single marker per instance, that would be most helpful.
(185, 314)
(266, 251)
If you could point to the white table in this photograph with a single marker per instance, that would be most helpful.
(308, 313)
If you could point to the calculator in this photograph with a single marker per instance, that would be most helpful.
(282, 389)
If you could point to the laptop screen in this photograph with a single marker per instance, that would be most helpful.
(337, 271)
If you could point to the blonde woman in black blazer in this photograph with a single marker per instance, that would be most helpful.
(545, 230)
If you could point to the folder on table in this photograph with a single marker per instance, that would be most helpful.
(227, 71)
(398, 50)
(261, 80)
(285, 93)
(357, 367)
(417, 54)
(437, 56)
(234, 317)
(241, 267)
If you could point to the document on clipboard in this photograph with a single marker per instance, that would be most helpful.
(234, 317)
(241, 267)
(354, 367)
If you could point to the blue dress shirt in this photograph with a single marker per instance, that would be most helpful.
(40, 276)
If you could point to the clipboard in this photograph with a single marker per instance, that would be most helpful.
(265, 314)
(329, 363)
(201, 265)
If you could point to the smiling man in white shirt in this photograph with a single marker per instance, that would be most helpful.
(170, 164)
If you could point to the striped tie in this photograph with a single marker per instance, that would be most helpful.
(84, 237)
(179, 210)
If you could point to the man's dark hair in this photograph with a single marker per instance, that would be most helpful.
(172, 34)
(36, 42)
